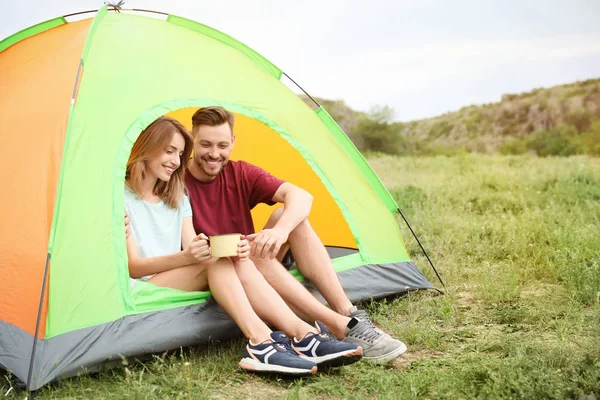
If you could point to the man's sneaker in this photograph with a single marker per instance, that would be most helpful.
(325, 350)
(276, 356)
(378, 346)
(362, 315)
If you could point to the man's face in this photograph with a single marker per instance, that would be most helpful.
(212, 148)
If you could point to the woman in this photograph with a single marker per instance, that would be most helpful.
(160, 212)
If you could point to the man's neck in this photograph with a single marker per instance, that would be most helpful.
(197, 172)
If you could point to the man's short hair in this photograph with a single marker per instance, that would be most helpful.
(212, 116)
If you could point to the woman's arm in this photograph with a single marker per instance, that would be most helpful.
(188, 233)
(195, 250)
(197, 245)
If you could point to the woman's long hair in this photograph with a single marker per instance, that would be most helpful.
(151, 142)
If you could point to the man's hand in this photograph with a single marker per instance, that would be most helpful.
(267, 242)
(243, 250)
(127, 227)
(198, 250)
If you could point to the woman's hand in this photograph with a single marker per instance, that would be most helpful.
(198, 250)
(127, 227)
(243, 249)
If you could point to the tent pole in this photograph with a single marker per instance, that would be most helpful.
(37, 326)
(300, 87)
(423, 249)
(112, 9)
(79, 13)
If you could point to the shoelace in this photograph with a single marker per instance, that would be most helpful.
(364, 317)
(286, 347)
(324, 335)
(365, 332)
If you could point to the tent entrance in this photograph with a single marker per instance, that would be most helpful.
(259, 144)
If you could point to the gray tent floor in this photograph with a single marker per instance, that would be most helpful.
(90, 349)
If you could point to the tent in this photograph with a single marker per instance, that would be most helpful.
(75, 96)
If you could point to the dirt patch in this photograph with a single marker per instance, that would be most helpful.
(468, 301)
(411, 356)
(542, 290)
(251, 389)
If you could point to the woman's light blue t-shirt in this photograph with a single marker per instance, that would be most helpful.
(156, 227)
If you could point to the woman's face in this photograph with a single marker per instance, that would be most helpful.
(163, 164)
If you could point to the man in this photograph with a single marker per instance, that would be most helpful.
(223, 193)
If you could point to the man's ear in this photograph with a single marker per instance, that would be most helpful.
(232, 139)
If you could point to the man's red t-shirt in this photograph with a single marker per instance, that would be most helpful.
(223, 205)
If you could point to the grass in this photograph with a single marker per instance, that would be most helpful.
(516, 240)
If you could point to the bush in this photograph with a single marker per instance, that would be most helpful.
(513, 147)
(381, 137)
(378, 134)
(559, 141)
(418, 147)
(590, 141)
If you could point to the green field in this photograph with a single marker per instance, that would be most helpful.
(517, 241)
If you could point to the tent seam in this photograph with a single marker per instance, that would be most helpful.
(32, 31)
(215, 34)
(91, 33)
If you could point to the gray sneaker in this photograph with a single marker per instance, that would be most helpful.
(378, 346)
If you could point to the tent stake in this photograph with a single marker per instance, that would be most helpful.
(423, 249)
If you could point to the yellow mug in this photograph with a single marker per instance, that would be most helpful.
(224, 245)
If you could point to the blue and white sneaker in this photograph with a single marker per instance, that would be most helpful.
(276, 356)
(324, 349)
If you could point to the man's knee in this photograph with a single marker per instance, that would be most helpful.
(301, 230)
(274, 217)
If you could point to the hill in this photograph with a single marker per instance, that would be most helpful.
(560, 120)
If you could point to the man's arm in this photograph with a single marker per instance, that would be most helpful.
(297, 203)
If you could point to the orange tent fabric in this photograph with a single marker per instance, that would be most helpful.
(33, 155)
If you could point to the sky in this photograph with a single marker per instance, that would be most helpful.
(421, 58)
